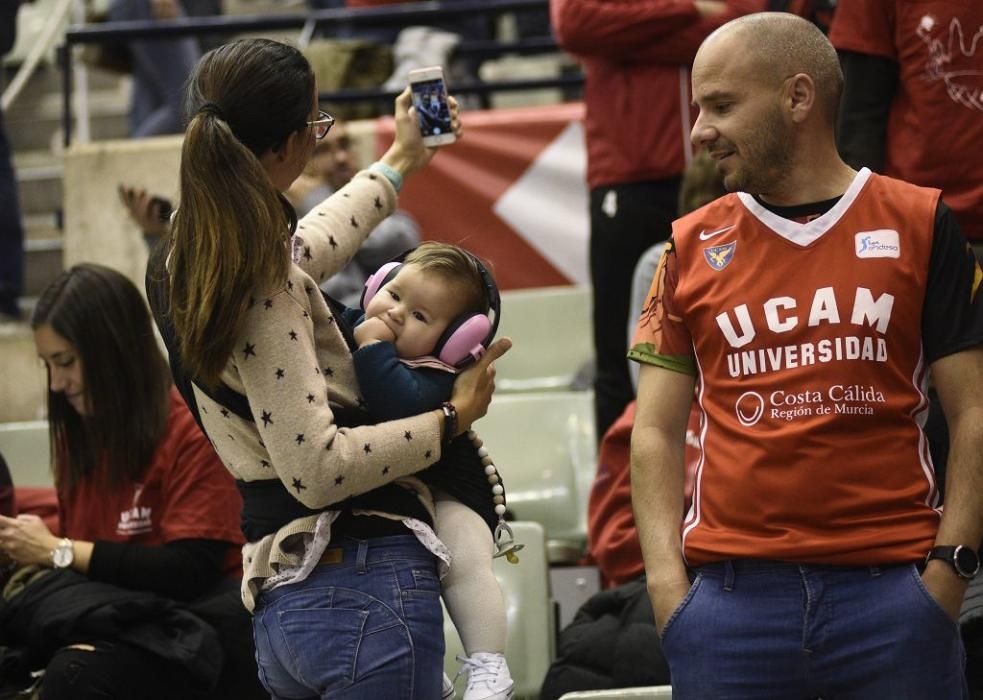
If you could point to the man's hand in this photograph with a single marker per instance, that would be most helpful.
(373, 330)
(944, 584)
(665, 597)
(144, 209)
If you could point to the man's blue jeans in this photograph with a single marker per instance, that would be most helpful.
(369, 627)
(756, 629)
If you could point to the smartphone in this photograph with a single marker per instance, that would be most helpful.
(162, 208)
(430, 100)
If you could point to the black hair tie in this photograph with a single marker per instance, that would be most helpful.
(212, 109)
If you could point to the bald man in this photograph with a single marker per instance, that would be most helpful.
(806, 308)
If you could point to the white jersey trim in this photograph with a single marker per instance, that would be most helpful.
(806, 234)
(693, 518)
(920, 415)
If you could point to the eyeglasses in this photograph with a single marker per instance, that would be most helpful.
(322, 125)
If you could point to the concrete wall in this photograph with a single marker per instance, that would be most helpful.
(23, 381)
(97, 227)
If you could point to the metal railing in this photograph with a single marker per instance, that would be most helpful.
(45, 40)
(431, 12)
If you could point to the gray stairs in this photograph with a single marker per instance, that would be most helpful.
(35, 131)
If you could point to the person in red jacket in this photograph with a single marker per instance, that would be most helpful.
(637, 57)
(913, 96)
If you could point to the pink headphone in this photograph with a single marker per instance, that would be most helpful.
(469, 335)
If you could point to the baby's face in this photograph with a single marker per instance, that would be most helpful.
(417, 307)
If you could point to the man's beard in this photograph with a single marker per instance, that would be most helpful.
(766, 159)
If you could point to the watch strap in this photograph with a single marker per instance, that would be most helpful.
(951, 554)
(450, 422)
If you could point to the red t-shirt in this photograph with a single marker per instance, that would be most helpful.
(637, 56)
(808, 344)
(935, 127)
(187, 493)
(611, 534)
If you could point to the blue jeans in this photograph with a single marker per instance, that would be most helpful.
(756, 629)
(160, 69)
(369, 627)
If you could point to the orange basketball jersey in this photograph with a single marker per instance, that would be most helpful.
(806, 340)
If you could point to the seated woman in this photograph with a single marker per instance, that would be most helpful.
(145, 504)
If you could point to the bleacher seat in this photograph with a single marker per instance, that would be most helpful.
(545, 448)
(25, 447)
(658, 692)
(551, 331)
(530, 645)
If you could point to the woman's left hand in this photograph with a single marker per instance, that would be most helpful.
(407, 153)
(26, 539)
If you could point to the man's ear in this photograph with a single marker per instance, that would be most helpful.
(800, 96)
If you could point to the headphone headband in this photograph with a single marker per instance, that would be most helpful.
(468, 336)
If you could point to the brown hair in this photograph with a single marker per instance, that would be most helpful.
(127, 381)
(230, 236)
(455, 265)
(701, 183)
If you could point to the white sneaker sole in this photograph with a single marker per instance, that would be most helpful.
(510, 696)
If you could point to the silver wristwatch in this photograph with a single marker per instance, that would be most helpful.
(63, 554)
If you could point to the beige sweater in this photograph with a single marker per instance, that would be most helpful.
(292, 364)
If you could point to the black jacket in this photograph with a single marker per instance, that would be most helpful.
(611, 643)
(63, 607)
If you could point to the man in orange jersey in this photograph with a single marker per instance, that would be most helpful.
(806, 308)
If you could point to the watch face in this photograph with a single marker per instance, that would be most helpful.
(63, 556)
(966, 561)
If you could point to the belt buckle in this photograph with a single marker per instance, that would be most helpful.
(331, 555)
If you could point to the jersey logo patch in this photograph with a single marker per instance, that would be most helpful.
(750, 406)
(719, 256)
(882, 243)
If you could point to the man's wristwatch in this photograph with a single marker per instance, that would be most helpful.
(63, 554)
(963, 559)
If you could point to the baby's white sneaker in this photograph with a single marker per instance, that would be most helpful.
(447, 689)
(488, 676)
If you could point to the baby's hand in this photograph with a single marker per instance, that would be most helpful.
(373, 330)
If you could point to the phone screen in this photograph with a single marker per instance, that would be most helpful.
(430, 101)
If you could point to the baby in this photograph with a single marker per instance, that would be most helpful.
(422, 317)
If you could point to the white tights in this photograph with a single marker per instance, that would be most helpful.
(470, 589)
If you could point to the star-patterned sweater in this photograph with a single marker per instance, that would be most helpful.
(293, 365)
